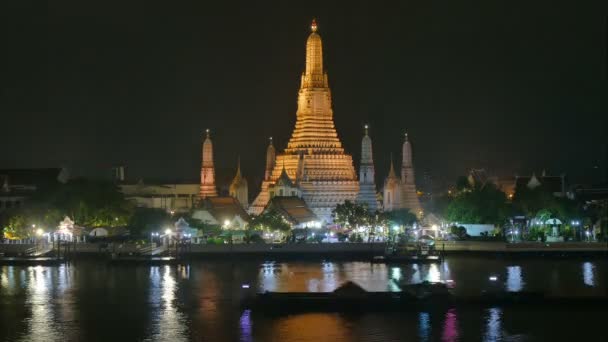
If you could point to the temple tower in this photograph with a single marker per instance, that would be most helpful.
(314, 158)
(409, 197)
(239, 188)
(367, 184)
(392, 190)
(207, 169)
(270, 159)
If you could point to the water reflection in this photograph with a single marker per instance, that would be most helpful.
(171, 323)
(246, 326)
(493, 325)
(514, 279)
(41, 326)
(268, 279)
(415, 278)
(450, 326)
(588, 274)
(433, 275)
(424, 326)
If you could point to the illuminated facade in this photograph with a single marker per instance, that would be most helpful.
(314, 159)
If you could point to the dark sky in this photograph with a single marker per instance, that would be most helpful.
(510, 86)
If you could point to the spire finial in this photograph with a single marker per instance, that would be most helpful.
(270, 140)
(406, 139)
(313, 26)
(208, 132)
(238, 166)
(366, 128)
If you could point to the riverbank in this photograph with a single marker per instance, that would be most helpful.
(326, 250)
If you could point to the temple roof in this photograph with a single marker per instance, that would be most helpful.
(551, 184)
(284, 179)
(224, 208)
(293, 209)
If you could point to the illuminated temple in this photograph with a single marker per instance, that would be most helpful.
(314, 159)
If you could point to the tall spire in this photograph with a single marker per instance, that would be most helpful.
(407, 153)
(366, 149)
(367, 183)
(238, 167)
(313, 75)
(270, 160)
(314, 157)
(409, 196)
(391, 171)
(207, 169)
(238, 188)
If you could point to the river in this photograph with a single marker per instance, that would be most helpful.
(90, 300)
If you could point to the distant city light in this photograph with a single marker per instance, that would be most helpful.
(245, 286)
(493, 278)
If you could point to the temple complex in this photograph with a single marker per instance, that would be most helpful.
(367, 184)
(401, 193)
(207, 169)
(314, 159)
(239, 188)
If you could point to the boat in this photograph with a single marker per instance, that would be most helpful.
(350, 297)
(144, 260)
(423, 251)
(30, 261)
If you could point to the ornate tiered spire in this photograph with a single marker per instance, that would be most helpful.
(407, 166)
(207, 169)
(367, 184)
(314, 58)
(239, 188)
(270, 159)
(314, 157)
(409, 197)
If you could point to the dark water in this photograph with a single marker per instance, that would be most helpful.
(93, 301)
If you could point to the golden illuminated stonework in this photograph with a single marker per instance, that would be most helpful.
(207, 169)
(314, 158)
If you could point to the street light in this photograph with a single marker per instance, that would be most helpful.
(168, 231)
(39, 232)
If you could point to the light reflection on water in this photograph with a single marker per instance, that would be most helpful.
(424, 326)
(180, 303)
(588, 276)
(450, 326)
(41, 325)
(515, 281)
(493, 325)
(170, 325)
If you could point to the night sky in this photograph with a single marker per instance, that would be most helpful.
(509, 86)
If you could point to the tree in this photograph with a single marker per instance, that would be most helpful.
(542, 205)
(401, 217)
(17, 228)
(351, 214)
(270, 220)
(482, 204)
(146, 220)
